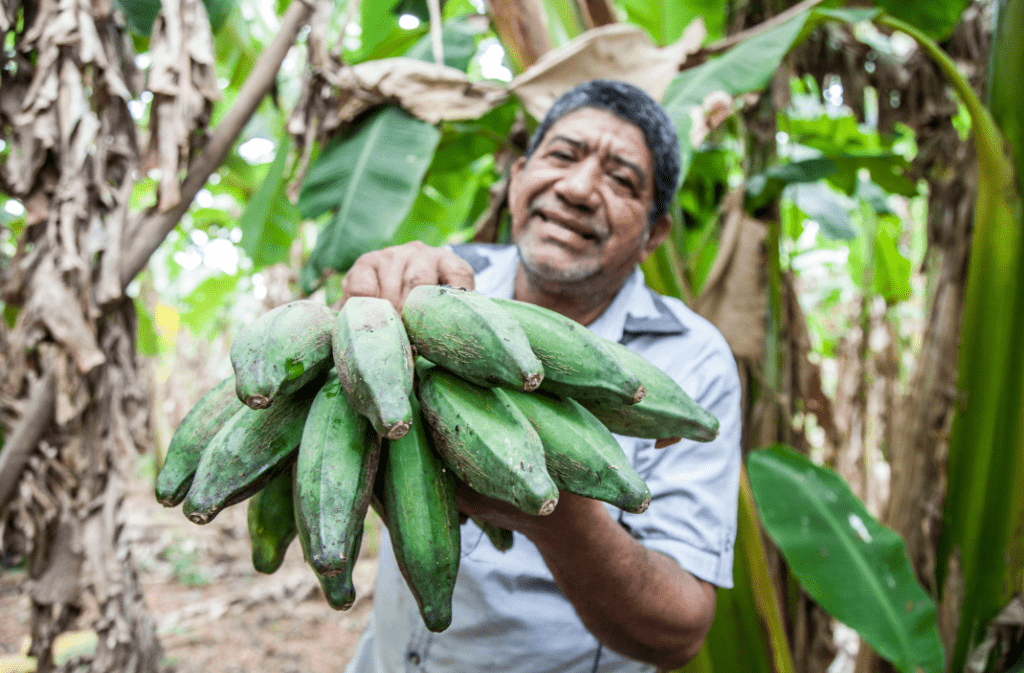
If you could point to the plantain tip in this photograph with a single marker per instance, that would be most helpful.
(201, 518)
(398, 430)
(532, 381)
(548, 506)
(257, 401)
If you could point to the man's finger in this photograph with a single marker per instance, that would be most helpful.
(455, 271)
(389, 273)
(360, 281)
(420, 270)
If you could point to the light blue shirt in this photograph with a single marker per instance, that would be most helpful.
(507, 612)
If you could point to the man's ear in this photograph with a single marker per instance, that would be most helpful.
(517, 168)
(660, 229)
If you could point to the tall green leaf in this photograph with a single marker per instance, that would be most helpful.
(1006, 62)
(854, 567)
(369, 176)
(1006, 68)
(269, 222)
(985, 466)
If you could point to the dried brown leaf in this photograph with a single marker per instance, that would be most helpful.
(58, 585)
(734, 296)
(72, 102)
(617, 51)
(431, 92)
(184, 86)
(53, 305)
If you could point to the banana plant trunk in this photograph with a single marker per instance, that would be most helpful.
(77, 392)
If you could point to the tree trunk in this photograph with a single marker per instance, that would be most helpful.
(72, 162)
(72, 390)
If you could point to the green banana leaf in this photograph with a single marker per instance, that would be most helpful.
(840, 169)
(851, 565)
(666, 20)
(207, 301)
(564, 21)
(370, 176)
(936, 18)
(458, 40)
(380, 34)
(269, 222)
(748, 66)
(147, 340)
(142, 13)
(1006, 61)
(985, 465)
(1007, 107)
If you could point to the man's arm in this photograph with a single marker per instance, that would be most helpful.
(635, 600)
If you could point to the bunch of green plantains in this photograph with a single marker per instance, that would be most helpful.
(328, 413)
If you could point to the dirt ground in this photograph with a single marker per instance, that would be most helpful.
(214, 613)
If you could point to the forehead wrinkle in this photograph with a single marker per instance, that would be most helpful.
(584, 146)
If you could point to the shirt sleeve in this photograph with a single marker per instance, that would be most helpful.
(694, 485)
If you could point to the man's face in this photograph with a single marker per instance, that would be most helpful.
(581, 206)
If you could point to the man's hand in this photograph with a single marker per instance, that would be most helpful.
(636, 601)
(392, 272)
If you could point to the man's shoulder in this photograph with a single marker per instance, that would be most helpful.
(672, 317)
(695, 346)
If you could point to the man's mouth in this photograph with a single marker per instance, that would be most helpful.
(583, 231)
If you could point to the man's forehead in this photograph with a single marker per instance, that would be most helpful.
(587, 122)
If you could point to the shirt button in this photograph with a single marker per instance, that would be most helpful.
(414, 658)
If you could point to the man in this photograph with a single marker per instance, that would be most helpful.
(589, 587)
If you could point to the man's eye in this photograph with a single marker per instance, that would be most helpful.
(564, 156)
(624, 181)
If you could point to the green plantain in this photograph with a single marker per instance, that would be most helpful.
(373, 359)
(282, 351)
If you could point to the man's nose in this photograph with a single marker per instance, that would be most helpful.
(578, 187)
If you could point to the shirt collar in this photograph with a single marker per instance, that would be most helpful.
(635, 311)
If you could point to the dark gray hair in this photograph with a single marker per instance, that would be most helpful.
(633, 105)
